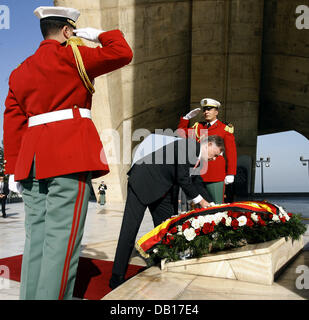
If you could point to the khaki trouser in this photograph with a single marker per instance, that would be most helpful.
(55, 215)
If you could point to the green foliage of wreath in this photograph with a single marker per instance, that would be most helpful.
(223, 238)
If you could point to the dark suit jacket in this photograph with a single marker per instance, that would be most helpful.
(154, 175)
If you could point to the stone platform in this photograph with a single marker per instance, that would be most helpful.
(257, 263)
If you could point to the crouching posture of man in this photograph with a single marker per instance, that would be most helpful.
(150, 184)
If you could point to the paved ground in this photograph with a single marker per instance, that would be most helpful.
(100, 240)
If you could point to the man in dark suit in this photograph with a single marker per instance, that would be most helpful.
(4, 191)
(150, 184)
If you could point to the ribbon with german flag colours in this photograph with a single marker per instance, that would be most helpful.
(146, 243)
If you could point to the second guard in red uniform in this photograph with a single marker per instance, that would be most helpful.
(223, 169)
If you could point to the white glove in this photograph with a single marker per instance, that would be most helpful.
(192, 114)
(90, 34)
(15, 186)
(229, 179)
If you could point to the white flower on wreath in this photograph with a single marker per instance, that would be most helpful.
(242, 220)
(201, 220)
(224, 214)
(155, 250)
(189, 234)
(275, 218)
(218, 217)
(209, 218)
(254, 217)
(228, 221)
(179, 230)
(195, 224)
(283, 213)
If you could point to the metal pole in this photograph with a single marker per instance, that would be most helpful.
(262, 177)
(305, 162)
(260, 163)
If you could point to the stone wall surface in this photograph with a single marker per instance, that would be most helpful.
(285, 75)
(247, 54)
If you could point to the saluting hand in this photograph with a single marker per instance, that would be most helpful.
(192, 114)
(90, 34)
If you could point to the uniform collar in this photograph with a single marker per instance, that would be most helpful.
(212, 122)
(49, 41)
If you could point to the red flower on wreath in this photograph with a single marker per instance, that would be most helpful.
(173, 230)
(249, 223)
(234, 224)
(283, 219)
(261, 222)
(248, 215)
(168, 240)
(186, 225)
(208, 227)
(233, 214)
(198, 231)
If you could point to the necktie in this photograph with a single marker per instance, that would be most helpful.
(208, 125)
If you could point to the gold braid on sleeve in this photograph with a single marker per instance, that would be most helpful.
(74, 42)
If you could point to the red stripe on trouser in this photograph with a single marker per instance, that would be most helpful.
(223, 192)
(75, 224)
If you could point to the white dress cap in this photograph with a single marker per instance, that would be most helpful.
(58, 13)
(207, 102)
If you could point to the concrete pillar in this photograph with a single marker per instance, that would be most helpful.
(226, 61)
(285, 68)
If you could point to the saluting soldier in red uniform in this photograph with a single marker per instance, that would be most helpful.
(222, 170)
(52, 147)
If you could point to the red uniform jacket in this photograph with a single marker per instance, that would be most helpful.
(218, 169)
(49, 81)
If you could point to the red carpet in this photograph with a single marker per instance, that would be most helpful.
(92, 275)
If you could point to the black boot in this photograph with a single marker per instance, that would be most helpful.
(3, 215)
(116, 281)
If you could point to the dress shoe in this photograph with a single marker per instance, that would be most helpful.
(115, 281)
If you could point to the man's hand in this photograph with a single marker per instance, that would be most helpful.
(192, 114)
(229, 179)
(90, 34)
(204, 204)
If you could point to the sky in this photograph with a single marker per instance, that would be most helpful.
(19, 41)
(285, 174)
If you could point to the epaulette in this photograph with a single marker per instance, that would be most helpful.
(229, 128)
(75, 42)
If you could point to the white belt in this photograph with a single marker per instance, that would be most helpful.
(57, 116)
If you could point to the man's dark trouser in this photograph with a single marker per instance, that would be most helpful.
(3, 202)
(160, 210)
